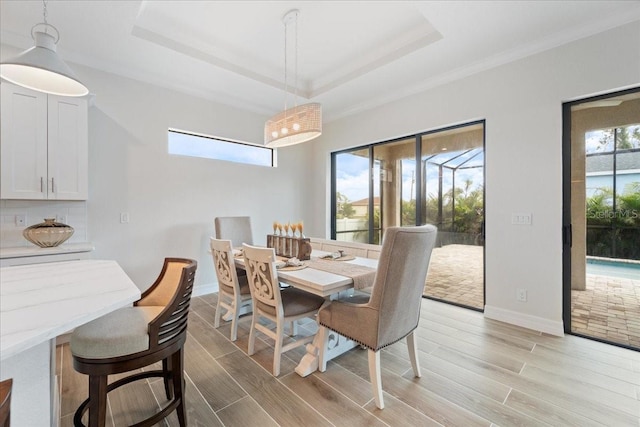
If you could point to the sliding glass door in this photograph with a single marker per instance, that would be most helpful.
(430, 178)
(602, 218)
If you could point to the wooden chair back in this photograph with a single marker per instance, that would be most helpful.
(263, 278)
(223, 263)
(171, 324)
(5, 402)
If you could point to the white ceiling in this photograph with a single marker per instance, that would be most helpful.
(352, 55)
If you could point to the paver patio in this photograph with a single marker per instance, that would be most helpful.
(608, 309)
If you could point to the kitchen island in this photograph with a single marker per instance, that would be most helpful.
(39, 302)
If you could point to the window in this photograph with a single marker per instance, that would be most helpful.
(435, 177)
(209, 147)
(612, 188)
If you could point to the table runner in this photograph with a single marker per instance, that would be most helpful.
(362, 276)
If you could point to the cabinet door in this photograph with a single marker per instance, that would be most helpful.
(23, 143)
(68, 148)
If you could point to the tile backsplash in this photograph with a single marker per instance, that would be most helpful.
(73, 213)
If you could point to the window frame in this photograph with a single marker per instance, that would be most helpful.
(273, 152)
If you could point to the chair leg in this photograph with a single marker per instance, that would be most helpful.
(413, 354)
(216, 321)
(278, 348)
(293, 328)
(177, 364)
(167, 370)
(374, 375)
(252, 332)
(323, 335)
(234, 320)
(97, 400)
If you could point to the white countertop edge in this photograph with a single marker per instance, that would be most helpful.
(53, 332)
(32, 250)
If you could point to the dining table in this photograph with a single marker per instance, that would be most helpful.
(331, 276)
(39, 302)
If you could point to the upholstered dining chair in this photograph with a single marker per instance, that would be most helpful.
(5, 402)
(280, 306)
(234, 228)
(233, 291)
(153, 330)
(392, 311)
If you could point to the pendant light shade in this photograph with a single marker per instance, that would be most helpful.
(300, 123)
(40, 68)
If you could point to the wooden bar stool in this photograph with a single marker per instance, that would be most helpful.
(153, 330)
(5, 402)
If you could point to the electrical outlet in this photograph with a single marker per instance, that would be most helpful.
(521, 295)
(521, 218)
(124, 217)
(21, 220)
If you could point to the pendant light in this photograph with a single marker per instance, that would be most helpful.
(300, 123)
(40, 68)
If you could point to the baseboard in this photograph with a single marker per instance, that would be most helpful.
(207, 288)
(525, 320)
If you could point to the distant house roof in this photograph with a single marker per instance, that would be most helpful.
(604, 162)
(365, 202)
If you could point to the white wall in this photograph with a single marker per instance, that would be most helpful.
(172, 200)
(521, 103)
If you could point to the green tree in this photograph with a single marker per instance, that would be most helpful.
(614, 233)
(468, 214)
(344, 208)
(599, 207)
(629, 205)
(408, 212)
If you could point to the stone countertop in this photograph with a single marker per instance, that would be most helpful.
(41, 301)
(33, 250)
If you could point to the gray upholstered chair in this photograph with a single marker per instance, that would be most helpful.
(392, 311)
(274, 304)
(234, 228)
(153, 330)
(233, 291)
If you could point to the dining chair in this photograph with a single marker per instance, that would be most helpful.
(130, 338)
(234, 228)
(392, 311)
(233, 291)
(280, 306)
(5, 402)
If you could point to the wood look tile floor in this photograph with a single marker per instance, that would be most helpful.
(475, 372)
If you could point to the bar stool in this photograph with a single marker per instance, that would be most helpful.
(153, 330)
(5, 402)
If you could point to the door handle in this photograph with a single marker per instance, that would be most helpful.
(567, 235)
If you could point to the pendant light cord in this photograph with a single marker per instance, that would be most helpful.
(286, 87)
(295, 69)
(44, 12)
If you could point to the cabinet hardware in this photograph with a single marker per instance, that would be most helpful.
(52, 186)
(41, 185)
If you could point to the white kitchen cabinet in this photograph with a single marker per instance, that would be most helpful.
(44, 145)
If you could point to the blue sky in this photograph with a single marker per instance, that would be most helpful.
(352, 176)
(198, 146)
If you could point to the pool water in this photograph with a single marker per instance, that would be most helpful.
(625, 270)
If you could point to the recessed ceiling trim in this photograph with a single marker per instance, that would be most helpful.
(378, 61)
(159, 39)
